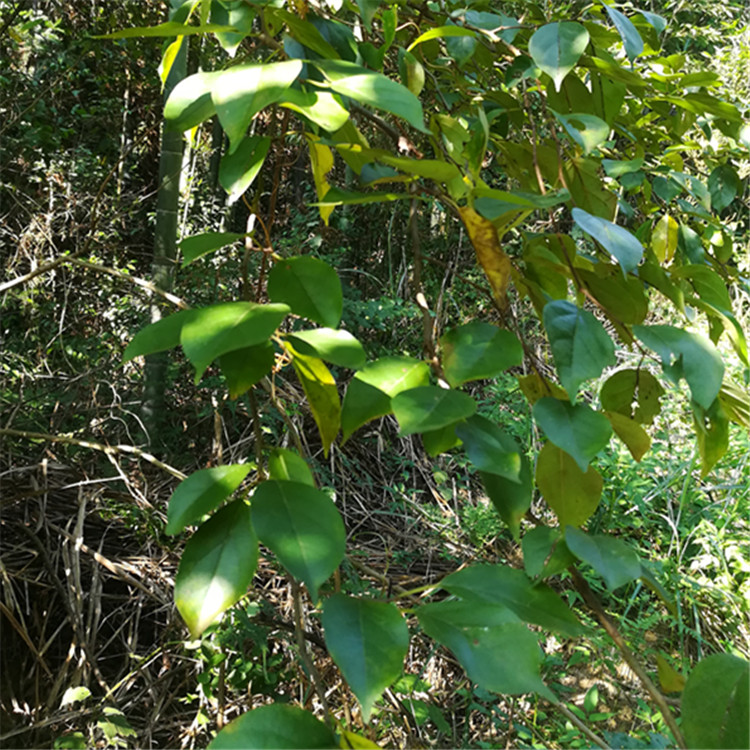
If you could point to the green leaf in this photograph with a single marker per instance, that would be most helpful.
(557, 47)
(489, 448)
(712, 434)
(240, 16)
(631, 39)
(322, 395)
(370, 391)
(334, 346)
(511, 499)
(216, 567)
(545, 552)
(238, 169)
(433, 169)
(441, 440)
(74, 694)
(202, 492)
(277, 725)
(572, 493)
(478, 350)
(715, 703)
(190, 102)
(368, 640)
(440, 32)
(503, 585)
(240, 92)
(321, 107)
(628, 387)
(374, 89)
(631, 433)
(368, 9)
(212, 331)
(337, 197)
(622, 297)
(576, 429)
(664, 238)
(430, 407)
(167, 29)
(289, 466)
(697, 359)
(655, 20)
(588, 131)
(618, 241)
(245, 367)
(497, 653)
(303, 528)
(614, 560)
(580, 345)
(310, 287)
(159, 336)
(723, 185)
(207, 242)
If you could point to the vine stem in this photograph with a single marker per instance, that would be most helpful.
(656, 695)
(110, 450)
(307, 661)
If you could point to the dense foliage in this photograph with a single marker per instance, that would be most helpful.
(566, 299)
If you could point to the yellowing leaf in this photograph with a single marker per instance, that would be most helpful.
(494, 261)
(670, 679)
(321, 159)
(320, 389)
(664, 238)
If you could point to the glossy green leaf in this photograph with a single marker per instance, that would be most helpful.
(631, 39)
(190, 102)
(202, 492)
(441, 32)
(576, 429)
(724, 186)
(627, 388)
(310, 287)
(611, 558)
(696, 359)
(433, 169)
(289, 466)
(322, 395)
(580, 345)
(557, 47)
(374, 89)
(489, 448)
(655, 20)
(588, 131)
(212, 331)
(238, 169)
(625, 247)
(572, 493)
(240, 92)
(478, 350)
(503, 585)
(216, 567)
(335, 346)
(159, 336)
(370, 391)
(237, 15)
(303, 528)
(245, 367)
(502, 656)
(368, 640)
(441, 440)
(320, 107)
(277, 725)
(545, 552)
(167, 29)
(430, 407)
(207, 242)
(715, 703)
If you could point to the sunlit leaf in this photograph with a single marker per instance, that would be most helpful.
(625, 246)
(557, 47)
(216, 567)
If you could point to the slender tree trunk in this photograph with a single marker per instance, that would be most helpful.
(165, 253)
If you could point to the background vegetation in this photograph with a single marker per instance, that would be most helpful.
(93, 649)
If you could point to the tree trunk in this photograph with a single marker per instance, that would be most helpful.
(165, 252)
